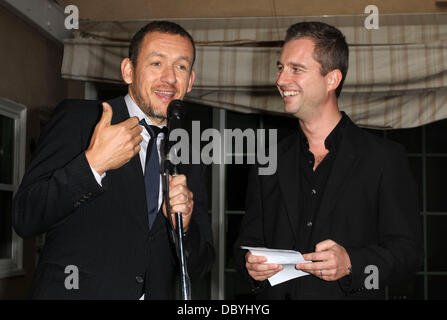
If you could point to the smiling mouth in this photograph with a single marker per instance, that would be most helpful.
(164, 94)
(289, 93)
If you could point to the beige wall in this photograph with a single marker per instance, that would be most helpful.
(146, 9)
(30, 74)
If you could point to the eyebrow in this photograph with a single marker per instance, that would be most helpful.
(161, 55)
(292, 64)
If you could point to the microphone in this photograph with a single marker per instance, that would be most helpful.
(176, 111)
(175, 115)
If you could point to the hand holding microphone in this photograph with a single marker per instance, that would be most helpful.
(181, 200)
(178, 198)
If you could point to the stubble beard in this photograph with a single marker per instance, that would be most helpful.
(147, 107)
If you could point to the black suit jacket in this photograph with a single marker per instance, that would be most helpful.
(369, 206)
(103, 231)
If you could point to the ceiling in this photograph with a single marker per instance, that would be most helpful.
(103, 10)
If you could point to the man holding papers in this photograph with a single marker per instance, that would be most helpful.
(342, 197)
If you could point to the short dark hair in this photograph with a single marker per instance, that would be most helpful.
(157, 26)
(331, 50)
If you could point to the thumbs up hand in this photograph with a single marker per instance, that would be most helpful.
(112, 146)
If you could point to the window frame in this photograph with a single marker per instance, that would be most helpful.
(14, 266)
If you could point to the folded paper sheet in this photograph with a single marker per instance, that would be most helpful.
(288, 258)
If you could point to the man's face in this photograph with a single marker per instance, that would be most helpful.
(163, 73)
(299, 79)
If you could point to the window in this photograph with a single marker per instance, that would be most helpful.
(427, 155)
(229, 189)
(12, 161)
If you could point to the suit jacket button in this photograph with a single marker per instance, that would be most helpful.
(139, 279)
(77, 204)
(309, 224)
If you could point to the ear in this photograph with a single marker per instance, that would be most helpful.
(127, 70)
(192, 77)
(333, 79)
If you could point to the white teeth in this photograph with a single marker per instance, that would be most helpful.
(165, 92)
(290, 93)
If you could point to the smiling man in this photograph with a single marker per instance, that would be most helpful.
(343, 197)
(94, 185)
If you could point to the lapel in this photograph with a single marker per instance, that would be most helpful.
(288, 176)
(130, 176)
(344, 165)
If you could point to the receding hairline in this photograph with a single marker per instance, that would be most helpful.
(298, 64)
(173, 35)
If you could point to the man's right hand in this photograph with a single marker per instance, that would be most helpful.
(112, 146)
(259, 270)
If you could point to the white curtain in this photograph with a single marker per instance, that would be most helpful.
(396, 78)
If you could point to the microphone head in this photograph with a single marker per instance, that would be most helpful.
(176, 109)
(176, 115)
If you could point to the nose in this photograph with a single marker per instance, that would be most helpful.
(168, 75)
(281, 78)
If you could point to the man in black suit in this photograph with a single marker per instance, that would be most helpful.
(87, 185)
(340, 195)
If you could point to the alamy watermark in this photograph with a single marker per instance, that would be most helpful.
(222, 149)
(372, 280)
(372, 20)
(72, 280)
(72, 20)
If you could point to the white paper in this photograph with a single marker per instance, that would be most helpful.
(287, 258)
